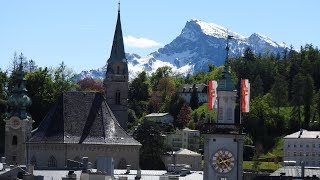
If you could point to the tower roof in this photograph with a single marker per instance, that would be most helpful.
(225, 82)
(19, 101)
(117, 51)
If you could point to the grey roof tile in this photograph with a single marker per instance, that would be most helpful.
(84, 118)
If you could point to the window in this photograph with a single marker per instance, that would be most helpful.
(313, 153)
(223, 178)
(301, 145)
(300, 154)
(288, 145)
(307, 163)
(307, 153)
(117, 97)
(229, 114)
(288, 154)
(294, 145)
(118, 70)
(14, 140)
(294, 153)
(52, 162)
(313, 163)
(307, 145)
(14, 158)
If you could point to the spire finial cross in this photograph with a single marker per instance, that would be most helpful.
(119, 6)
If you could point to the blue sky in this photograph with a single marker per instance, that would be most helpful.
(80, 32)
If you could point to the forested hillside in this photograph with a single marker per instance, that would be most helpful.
(284, 93)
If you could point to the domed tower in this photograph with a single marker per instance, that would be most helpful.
(116, 81)
(18, 122)
(223, 143)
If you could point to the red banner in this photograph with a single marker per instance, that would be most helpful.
(212, 94)
(245, 95)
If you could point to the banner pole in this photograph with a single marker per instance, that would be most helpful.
(240, 103)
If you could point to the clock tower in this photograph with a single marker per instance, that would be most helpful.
(18, 121)
(116, 82)
(223, 143)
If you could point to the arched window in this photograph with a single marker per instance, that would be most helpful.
(52, 162)
(118, 70)
(118, 97)
(122, 164)
(33, 161)
(14, 140)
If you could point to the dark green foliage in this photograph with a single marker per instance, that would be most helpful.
(161, 72)
(139, 88)
(279, 92)
(307, 99)
(257, 87)
(194, 99)
(149, 135)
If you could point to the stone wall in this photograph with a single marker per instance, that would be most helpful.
(62, 152)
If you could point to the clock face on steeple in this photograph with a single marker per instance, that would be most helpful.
(222, 161)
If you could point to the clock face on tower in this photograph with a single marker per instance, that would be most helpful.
(222, 161)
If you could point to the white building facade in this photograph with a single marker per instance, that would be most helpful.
(185, 138)
(304, 146)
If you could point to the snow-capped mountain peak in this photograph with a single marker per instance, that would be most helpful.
(199, 44)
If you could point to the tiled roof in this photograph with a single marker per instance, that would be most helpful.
(156, 114)
(187, 88)
(187, 152)
(295, 171)
(304, 134)
(84, 118)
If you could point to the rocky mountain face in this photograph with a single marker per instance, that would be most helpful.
(198, 44)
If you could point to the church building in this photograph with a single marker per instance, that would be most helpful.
(80, 124)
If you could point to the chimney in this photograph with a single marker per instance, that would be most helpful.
(3, 160)
(302, 169)
(85, 163)
(138, 174)
(70, 176)
(30, 169)
(128, 169)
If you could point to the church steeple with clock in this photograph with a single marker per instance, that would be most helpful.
(116, 82)
(223, 145)
(18, 121)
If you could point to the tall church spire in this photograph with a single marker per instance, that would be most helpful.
(117, 52)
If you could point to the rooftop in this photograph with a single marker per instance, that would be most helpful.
(81, 118)
(187, 152)
(295, 171)
(304, 134)
(156, 114)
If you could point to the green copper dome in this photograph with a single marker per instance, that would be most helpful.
(19, 101)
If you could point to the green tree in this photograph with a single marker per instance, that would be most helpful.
(194, 99)
(257, 87)
(149, 135)
(41, 90)
(161, 72)
(139, 88)
(297, 101)
(307, 99)
(279, 91)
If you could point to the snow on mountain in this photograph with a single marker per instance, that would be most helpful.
(199, 44)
